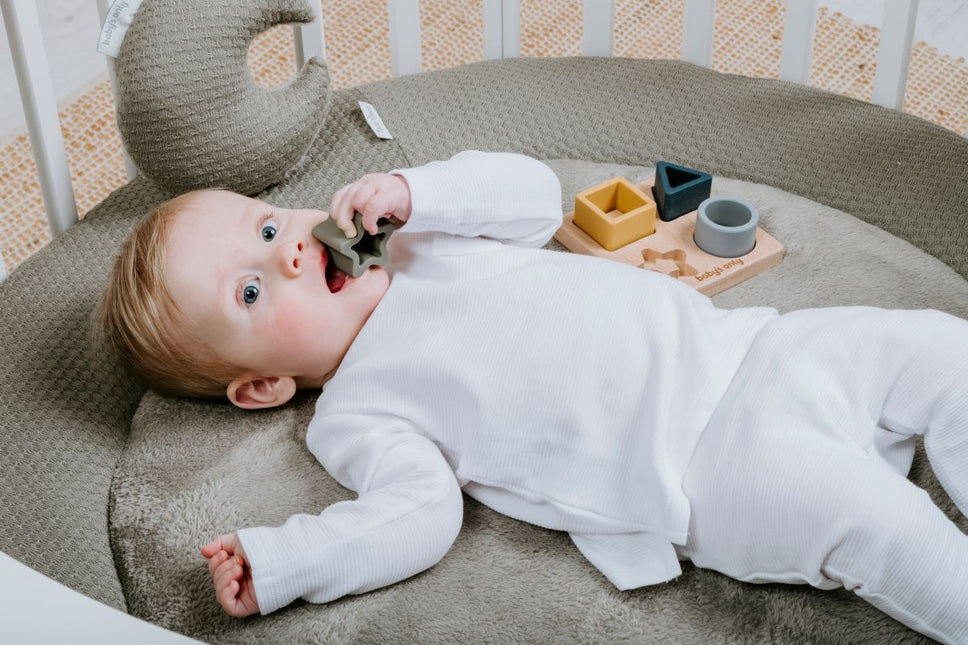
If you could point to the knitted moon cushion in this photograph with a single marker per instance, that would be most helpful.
(190, 114)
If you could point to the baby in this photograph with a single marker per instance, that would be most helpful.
(571, 392)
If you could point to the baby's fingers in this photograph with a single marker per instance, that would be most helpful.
(216, 560)
(228, 598)
(212, 547)
(375, 210)
(342, 208)
(336, 207)
(225, 543)
(227, 572)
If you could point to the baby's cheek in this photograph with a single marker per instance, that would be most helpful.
(293, 322)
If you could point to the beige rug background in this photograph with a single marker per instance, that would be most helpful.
(747, 40)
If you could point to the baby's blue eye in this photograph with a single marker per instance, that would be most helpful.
(250, 292)
(268, 231)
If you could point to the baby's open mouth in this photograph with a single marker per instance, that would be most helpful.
(335, 277)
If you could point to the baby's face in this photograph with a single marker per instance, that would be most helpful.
(259, 289)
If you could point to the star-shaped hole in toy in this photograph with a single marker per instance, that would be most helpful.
(354, 255)
(672, 263)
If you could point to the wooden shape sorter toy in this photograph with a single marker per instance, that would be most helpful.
(672, 251)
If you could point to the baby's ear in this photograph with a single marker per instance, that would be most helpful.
(257, 392)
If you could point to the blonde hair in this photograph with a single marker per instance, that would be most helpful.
(141, 319)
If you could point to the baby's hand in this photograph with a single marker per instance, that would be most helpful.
(231, 575)
(375, 196)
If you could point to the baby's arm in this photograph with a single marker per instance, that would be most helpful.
(498, 195)
(406, 517)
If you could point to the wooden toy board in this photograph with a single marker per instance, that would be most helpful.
(672, 251)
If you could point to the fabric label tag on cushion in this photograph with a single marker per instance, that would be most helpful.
(116, 25)
(374, 121)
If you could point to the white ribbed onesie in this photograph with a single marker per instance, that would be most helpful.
(559, 389)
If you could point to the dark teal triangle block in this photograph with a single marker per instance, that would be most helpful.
(679, 190)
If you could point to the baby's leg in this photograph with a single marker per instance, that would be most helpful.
(876, 378)
(799, 476)
(779, 504)
(929, 397)
(897, 550)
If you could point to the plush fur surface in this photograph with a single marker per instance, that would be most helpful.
(192, 470)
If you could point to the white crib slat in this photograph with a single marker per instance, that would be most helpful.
(310, 40)
(699, 17)
(405, 55)
(492, 30)
(894, 53)
(40, 108)
(511, 28)
(798, 29)
(597, 23)
(502, 29)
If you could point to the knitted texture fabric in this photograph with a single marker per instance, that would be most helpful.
(189, 112)
(65, 404)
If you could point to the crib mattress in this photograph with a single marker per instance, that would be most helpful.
(862, 198)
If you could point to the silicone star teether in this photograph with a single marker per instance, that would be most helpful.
(354, 255)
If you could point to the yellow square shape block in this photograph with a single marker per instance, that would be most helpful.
(615, 213)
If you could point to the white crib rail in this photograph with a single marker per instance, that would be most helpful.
(309, 39)
(798, 28)
(502, 29)
(699, 18)
(405, 37)
(894, 53)
(598, 17)
(40, 108)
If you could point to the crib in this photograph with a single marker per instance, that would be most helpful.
(101, 433)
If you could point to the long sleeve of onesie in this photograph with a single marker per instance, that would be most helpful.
(407, 515)
(409, 506)
(495, 195)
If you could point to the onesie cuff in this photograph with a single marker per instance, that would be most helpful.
(425, 215)
(272, 589)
